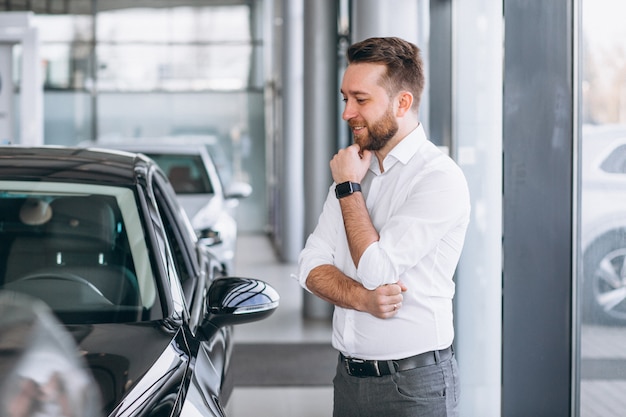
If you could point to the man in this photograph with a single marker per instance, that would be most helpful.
(387, 244)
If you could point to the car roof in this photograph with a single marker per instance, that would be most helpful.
(70, 164)
(181, 145)
(167, 148)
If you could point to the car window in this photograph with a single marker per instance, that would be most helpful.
(79, 248)
(221, 162)
(180, 237)
(186, 173)
(615, 162)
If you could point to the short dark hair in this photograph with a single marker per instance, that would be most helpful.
(405, 68)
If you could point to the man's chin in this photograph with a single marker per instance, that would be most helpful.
(362, 142)
(366, 147)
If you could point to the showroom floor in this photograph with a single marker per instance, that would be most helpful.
(256, 259)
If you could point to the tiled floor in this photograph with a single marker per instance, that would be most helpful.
(256, 259)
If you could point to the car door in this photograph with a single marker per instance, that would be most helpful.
(195, 269)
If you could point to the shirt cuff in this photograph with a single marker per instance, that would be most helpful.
(372, 271)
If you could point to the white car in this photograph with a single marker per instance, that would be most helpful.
(603, 224)
(191, 168)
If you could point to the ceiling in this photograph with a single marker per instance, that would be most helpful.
(88, 6)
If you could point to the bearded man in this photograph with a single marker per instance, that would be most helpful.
(387, 244)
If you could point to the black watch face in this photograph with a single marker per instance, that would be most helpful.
(343, 189)
(346, 188)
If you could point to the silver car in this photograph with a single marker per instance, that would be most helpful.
(190, 165)
(603, 224)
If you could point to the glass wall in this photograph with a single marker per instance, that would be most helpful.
(66, 55)
(174, 49)
(602, 169)
(119, 72)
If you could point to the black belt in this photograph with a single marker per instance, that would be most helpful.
(363, 367)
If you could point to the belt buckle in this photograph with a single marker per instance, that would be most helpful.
(361, 367)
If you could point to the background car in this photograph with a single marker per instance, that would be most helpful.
(603, 224)
(101, 238)
(190, 164)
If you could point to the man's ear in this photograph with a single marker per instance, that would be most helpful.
(405, 101)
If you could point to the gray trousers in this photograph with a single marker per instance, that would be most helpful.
(430, 391)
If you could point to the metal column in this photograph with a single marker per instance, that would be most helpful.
(538, 133)
(320, 119)
(290, 153)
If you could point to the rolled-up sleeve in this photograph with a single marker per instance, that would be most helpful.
(315, 253)
(320, 246)
(375, 268)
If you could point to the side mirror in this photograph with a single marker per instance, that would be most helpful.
(238, 190)
(209, 237)
(234, 300)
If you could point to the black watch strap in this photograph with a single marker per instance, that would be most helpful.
(346, 188)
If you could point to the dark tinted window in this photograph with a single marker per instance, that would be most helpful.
(73, 253)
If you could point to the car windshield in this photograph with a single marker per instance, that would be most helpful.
(79, 248)
(186, 173)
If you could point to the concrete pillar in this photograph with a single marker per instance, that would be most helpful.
(16, 28)
(31, 90)
(6, 93)
(290, 156)
(386, 18)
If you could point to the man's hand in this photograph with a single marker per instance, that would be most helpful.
(350, 164)
(385, 301)
(332, 285)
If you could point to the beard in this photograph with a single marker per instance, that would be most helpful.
(379, 133)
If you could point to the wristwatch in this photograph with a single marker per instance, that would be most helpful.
(346, 188)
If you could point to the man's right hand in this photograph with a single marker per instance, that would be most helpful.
(332, 285)
(385, 301)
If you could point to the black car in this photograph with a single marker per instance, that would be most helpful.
(100, 238)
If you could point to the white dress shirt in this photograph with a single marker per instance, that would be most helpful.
(420, 207)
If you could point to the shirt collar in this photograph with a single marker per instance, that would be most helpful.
(403, 151)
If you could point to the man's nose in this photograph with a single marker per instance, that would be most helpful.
(348, 112)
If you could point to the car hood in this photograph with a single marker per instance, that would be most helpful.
(138, 367)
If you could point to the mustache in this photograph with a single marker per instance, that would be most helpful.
(356, 123)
